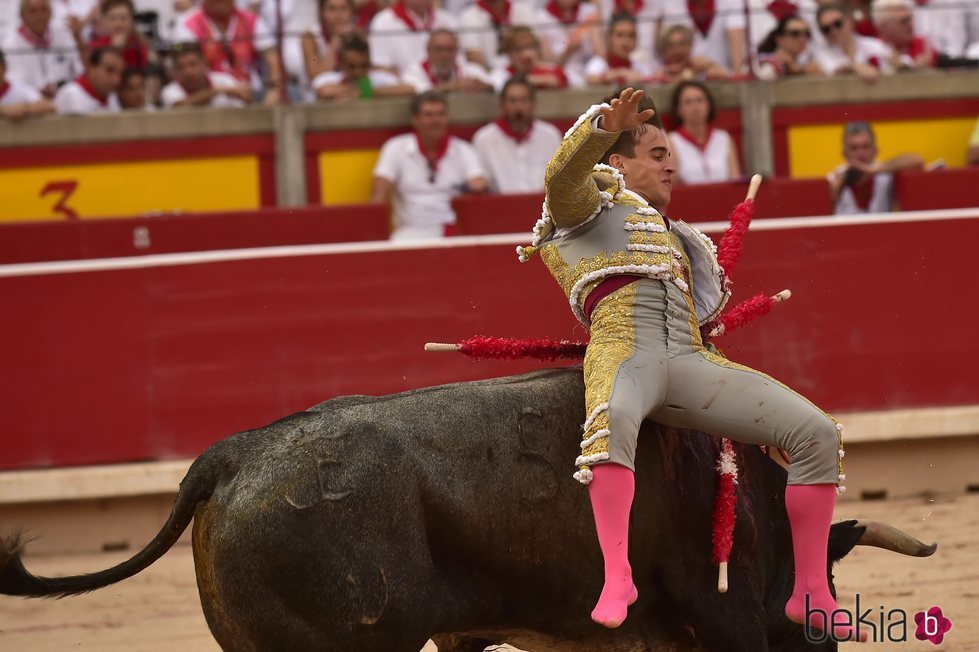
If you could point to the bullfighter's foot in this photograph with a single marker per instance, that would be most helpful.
(819, 611)
(613, 605)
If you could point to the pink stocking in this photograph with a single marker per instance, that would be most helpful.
(611, 491)
(810, 510)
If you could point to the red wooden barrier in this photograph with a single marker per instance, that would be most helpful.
(160, 361)
(34, 241)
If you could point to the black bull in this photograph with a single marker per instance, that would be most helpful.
(373, 523)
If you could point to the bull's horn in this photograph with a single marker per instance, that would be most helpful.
(888, 537)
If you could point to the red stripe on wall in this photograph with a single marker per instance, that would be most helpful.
(904, 110)
(143, 150)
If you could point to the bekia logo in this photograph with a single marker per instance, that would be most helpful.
(932, 625)
(880, 625)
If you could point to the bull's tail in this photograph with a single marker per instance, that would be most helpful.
(196, 486)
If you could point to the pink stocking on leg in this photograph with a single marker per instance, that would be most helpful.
(611, 491)
(810, 510)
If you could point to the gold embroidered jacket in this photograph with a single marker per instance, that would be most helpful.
(593, 227)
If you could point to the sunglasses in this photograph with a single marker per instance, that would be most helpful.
(829, 27)
(798, 33)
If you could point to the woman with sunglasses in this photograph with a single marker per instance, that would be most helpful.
(844, 51)
(785, 51)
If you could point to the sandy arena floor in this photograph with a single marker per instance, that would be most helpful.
(158, 610)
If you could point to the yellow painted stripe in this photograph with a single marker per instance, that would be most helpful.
(345, 176)
(129, 189)
(814, 150)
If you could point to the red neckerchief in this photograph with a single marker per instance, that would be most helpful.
(4, 89)
(620, 7)
(686, 135)
(42, 42)
(366, 14)
(863, 192)
(865, 27)
(133, 52)
(510, 133)
(556, 11)
(618, 62)
(499, 20)
(702, 14)
(427, 67)
(920, 46)
(401, 11)
(86, 85)
(781, 9)
(433, 162)
(921, 3)
(545, 69)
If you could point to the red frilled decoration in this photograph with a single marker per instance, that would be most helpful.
(746, 312)
(729, 251)
(503, 348)
(724, 504)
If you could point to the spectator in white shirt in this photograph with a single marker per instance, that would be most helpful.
(523, 50)
(704, 153)
(95, 91)
(623, 63)
(40, 53)
(399, 34)
(571, 33)
(843, 50)
(895, 26)
(18, 100)
(132, 91)
(718, 28)
(235, 41)
(863, 184)
(481, 27)
(648, 15)
(420, 172)
(195, 85)
(444, 70)
(516, 148)
(321, 44)
(785, 51)
(675, 50)
(356, 77)
(944, 24)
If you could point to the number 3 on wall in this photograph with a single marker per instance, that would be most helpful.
(65, 189)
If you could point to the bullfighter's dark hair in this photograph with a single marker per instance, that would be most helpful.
(625, 144)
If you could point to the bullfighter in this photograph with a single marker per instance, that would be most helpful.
(643, 283)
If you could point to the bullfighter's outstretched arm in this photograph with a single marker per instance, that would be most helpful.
(572, 194)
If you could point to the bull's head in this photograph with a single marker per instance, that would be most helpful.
(844, 536)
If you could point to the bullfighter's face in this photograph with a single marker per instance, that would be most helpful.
(651, 170)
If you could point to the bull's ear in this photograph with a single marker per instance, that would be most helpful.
(843, 536)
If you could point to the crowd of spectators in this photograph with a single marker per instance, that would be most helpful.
(271, 51)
